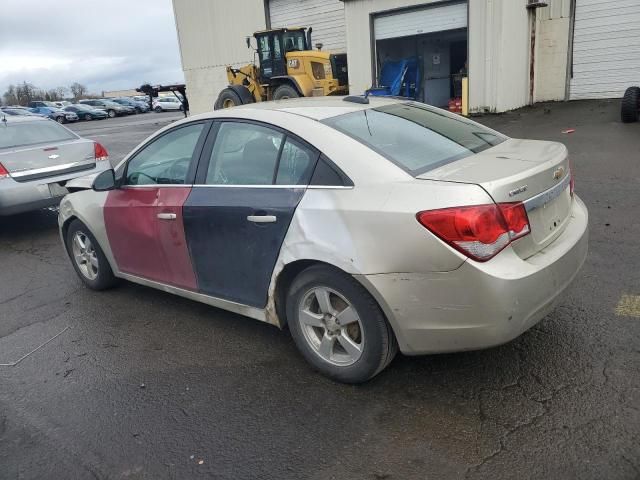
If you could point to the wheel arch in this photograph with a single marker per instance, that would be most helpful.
(293, 81)
(291, 270)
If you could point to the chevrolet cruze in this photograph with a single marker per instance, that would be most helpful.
(364, 225)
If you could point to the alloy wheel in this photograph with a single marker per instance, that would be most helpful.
(331, 326)
(84, 254)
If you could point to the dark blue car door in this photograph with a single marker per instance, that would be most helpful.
(250, 180)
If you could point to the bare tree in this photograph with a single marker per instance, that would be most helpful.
(25, 92)
(10, 97)
(61, 92)
(78, 90)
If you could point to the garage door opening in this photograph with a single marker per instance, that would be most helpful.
(428, 47)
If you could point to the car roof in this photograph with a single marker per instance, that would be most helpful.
(22, 119)
(320, 108)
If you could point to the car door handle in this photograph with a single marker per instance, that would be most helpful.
(166, 216)
(262, 218)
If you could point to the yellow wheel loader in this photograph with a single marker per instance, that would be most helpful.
(288, 68)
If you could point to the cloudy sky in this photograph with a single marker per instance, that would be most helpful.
(103, 44)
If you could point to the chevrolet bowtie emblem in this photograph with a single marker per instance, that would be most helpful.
(558, 173)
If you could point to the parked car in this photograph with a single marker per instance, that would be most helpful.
(113, 109)
(163, 104)
(366, 227)
(86, 112)
(62, 103)
(139, 107)
(56, 114)
(37, 158)
(15, 111)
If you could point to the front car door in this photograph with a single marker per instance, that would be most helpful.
(249, 183)
(143, 217)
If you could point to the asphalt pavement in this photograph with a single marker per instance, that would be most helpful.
(142, 384)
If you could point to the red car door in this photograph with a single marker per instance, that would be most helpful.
(143, 217)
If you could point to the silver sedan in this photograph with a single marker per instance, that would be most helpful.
(37, 158)
(365, 225)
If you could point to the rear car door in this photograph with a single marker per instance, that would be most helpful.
(143, 217)
(250, 180)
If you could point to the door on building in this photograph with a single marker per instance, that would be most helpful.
(437, 36)
(606, 48)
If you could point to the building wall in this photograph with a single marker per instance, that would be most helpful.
(212, 35)
(120, 93)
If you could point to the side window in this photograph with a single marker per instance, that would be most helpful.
(327, 174)
(296, 163)
(244, 154)
(263, 47)
(277, 51)
(166, 160)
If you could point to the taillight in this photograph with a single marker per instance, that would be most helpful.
(478, 231)
(4, 173)
(99, 152)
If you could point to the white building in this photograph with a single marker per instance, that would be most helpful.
(518, 51)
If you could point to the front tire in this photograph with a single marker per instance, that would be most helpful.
(226, 99)
(337, 325)
(111, 113)
(87, 257)
(631, 105)
(284, 92)
(61, 120)
(158, 109)
(88, 117)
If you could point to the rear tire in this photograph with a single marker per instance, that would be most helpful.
(88, 117)
(158, 109)
(61, 119)
(284, 92)
(87, 257)
(111, 113)
(630, 105)
(228, 98)
(352, 343)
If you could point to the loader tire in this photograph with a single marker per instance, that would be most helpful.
(285, 91)
(631, 105)
(227, 99)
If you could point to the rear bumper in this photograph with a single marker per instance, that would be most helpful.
(480, 305)
(17, 197)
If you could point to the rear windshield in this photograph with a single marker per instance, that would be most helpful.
(22, 134)
(416, 137)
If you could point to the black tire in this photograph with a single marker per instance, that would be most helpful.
(88, 117)
(158, 109)
(111, 113)
(631, 105)
(105, 278)
(379, 345)
(228, 98)
(61, 119)
(285, 91)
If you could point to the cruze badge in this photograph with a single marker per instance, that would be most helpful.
(518, 190)
(53, 157)
(558, 173)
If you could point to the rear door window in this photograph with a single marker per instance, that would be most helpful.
(250, 154)
(416, 137)
(23, 134)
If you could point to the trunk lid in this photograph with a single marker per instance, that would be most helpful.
(47, 160)
(529, 171)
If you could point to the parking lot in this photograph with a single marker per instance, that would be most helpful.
(142, 384)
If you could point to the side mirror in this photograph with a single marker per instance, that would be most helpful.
(105, 181)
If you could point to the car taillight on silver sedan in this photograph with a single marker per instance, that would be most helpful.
(478, 231)
(99, 152)
(4, 173)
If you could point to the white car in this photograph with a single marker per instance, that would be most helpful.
(163, 104)
(364, 225)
